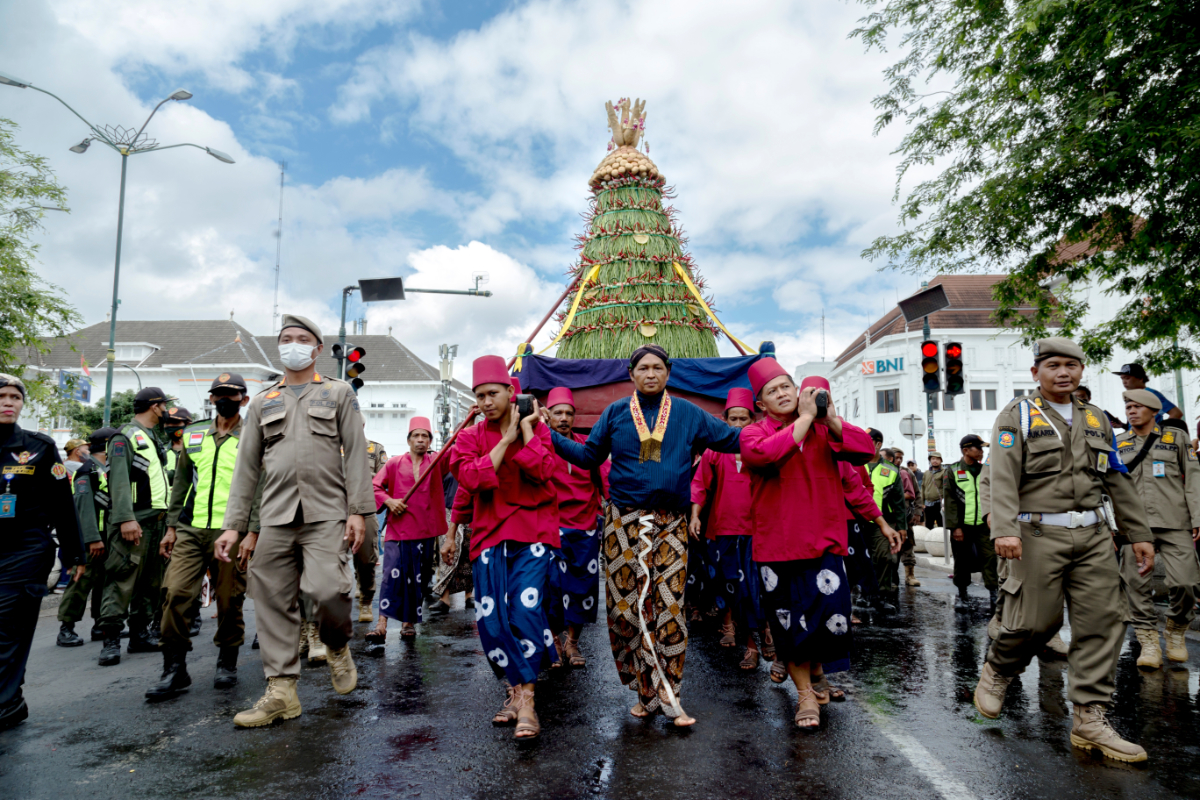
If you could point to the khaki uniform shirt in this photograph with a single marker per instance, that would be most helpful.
(1040, 465)
(1168, 478)
(377, 457)
(296, 444)
(931, 485)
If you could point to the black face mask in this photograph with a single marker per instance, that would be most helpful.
(174, 433)
(227, 407)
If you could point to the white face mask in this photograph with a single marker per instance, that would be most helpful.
(296, 356)
(72, 466)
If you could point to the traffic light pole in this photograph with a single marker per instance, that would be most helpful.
(930, 400)
(349, 290)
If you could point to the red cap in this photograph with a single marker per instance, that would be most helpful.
(420, 424)
(763, 372)
(516, 384)
(816, 381)
(489, 369)
(558, 396)
(740, 398)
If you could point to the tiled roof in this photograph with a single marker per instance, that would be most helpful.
(971, 306)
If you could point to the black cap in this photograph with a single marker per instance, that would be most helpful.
(179, 414)
(876, 436)
(1134, 370)
(227, 380)
(151, 395)
(100, 437)
(971, 440)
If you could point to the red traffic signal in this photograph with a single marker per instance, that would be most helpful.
(955, 376)
(931, 378)
(954, 350)
(929, 349)
(355, 354)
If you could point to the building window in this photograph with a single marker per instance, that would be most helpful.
(989, 398)
(887, 400)
(855, 407)
(976, 400)
(947, 402)
(1020, 392)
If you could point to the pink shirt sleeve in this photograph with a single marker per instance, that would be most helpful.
(702, 481)
(859, 496)
(475, 473)
(536, 459)
(761, 449)
(383, 483)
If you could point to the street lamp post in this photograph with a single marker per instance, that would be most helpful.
(126, 143)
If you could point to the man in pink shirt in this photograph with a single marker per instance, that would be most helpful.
(722, 488)
(575, 576)
(799, 525)
(411, 529)
(508, 465)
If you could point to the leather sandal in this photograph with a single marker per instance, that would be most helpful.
(728, 635)
(779, 672)
(571, 651)
(804, 715)
(507, 714)
(768, 644)
(376, 635)
(408, 631)
(823, 688)
(750, 659)
(530, 728)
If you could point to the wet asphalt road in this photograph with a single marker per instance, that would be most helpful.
(419, 726)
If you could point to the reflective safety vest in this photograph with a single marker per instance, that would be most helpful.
(150, 487)
(968, 491)
(172, 462)
(889, 493)
(212, 475)
(882, 476)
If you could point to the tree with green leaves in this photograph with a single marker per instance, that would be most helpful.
(1065, 136)
(633, 269)
(85, 419)
(30, 308)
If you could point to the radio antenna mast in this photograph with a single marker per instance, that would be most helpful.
(278, 248)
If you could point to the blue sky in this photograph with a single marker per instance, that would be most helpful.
(436, 140)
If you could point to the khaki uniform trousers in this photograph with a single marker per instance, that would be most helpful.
(1078, 565)
(312, 557)
(75, 598)
(193, 555)
(132, 578)
(366, 558)
(887, 563)
(1177, 553)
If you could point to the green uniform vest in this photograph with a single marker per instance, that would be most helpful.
(882, 479)
(172, 462)
(212, 475)
(149, 477)
(968, 486)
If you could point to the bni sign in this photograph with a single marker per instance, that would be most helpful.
(882, 365)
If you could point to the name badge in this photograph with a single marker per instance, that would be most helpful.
(1160, 469)
(8, 506)
(1102, 462)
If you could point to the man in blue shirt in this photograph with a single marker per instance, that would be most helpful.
(1133, 376)
(651, 437)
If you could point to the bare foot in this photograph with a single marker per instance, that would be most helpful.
(684, 721)
(639, 711)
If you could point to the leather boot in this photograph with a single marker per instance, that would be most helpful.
(1056, 647)
(364, 608)
(316, 648)
(1151, 655)
(97, 633)
(910, 578)
(280, 701)
(303, 639)
(110, 654)
(1176, 642)
(154, 634)
(140, 642)
(175, 679)
(342, 671)
(989, 693)
(1091, 731)
(226, 677)
(963, 601)
(194, 628)
(67, 637)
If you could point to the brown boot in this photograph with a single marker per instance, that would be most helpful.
(1151, 655)
(1056, 647)
(909, 578)
(316, 648)
(1091, 731)
(342, 670)
(1176, 642)
(279, 702)
(989, 694)
(364, 609)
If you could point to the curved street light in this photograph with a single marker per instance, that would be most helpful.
(126, 142)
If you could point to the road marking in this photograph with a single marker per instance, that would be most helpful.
(924, 761)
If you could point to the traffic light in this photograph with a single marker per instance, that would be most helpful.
(350, 360)
(931, 375)
(955, 378)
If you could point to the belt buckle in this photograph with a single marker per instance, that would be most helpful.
(1075, 519)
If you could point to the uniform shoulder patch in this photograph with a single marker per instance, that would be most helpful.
(1125, 443)
(371, 447)
(195, 439)
(1092, 420)
(1169, 437)
(1007, 438)
(82, 484)
(58, 471)
(119, 448)
(271, 395)
(884, 472)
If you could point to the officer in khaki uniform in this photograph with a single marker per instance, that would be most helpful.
(203, 476)
(1058, 493)
(970, 540)
(931, 491)
(1165, 472)
(313, 505)
(368, 555)
(137, 488)
(89, 485)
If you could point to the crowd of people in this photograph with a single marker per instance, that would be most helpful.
(775, 521)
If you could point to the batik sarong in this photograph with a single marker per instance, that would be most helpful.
(859, 568)
(646, 555)
(736, 580)
(575, 578)
(510, 581)
(807, 604)
(456, 577)
(404, 569)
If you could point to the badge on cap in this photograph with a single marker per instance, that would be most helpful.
(224, 376)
